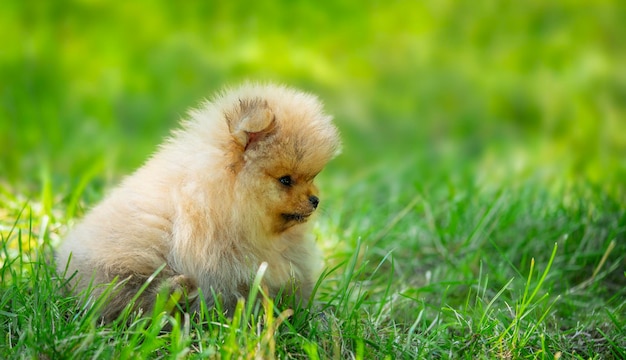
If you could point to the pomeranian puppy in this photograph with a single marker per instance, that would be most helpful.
(230, 190)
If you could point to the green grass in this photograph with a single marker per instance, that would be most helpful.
(478, 209)
(515, 272)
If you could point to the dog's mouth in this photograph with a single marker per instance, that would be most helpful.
(299, 218)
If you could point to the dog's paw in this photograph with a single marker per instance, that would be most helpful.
(183, 285)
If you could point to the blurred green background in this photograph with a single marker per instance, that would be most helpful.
(491, 89)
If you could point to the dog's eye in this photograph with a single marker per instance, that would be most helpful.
(286, 180)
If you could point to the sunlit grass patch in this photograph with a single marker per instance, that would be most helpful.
(393, 297)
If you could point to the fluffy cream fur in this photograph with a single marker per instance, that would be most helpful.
(231, 189)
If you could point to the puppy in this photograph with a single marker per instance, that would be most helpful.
(231, 189)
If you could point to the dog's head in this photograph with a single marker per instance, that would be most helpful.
(281, 140)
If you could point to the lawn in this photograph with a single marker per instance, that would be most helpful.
(478, 209)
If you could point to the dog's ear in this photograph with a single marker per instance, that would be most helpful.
(250, 121)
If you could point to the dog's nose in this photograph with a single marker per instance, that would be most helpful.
(314, 200)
